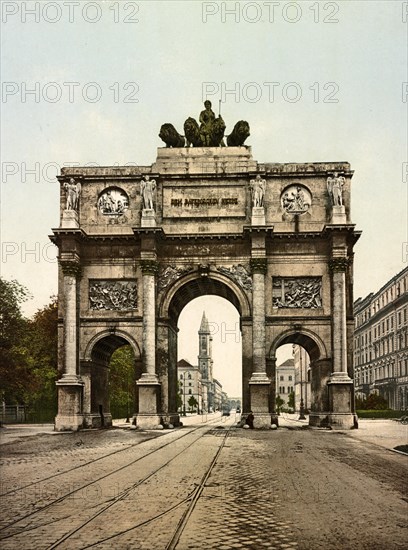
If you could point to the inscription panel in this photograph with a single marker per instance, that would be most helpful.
(204, 202)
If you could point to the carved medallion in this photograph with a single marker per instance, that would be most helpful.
(112, 295)
(297, 292)
(113, 201)
(240, 274)
(296, 199)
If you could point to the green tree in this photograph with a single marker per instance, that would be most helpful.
(279, 402)
(192, 403)
(15, 379)
(121, 382)
(374, 402)
(41, 343)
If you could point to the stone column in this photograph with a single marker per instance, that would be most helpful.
(70, 385)
(340, 384)
(259, 383)
(148, 384)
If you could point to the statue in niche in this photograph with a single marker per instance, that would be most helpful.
(147, 190)
(335, 186)
(73, 191)
(258, 186)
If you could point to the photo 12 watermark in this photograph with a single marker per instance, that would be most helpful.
(37, 172)
(69, 92)
(270, 12)
(28, 252)
(69, 12)
(271, 92)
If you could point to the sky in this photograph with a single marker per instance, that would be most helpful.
(317, 81)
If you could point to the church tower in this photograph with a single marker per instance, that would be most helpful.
(205, 362)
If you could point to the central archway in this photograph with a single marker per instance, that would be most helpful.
(173, 301)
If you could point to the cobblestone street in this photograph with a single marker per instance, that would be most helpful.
(204, 486)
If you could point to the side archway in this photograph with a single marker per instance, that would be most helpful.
(320, 365)
(95, 369)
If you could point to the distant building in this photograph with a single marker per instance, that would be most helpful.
(381, 343)
(303, 390)
(190, 385)
(198, 381)
(285, 380)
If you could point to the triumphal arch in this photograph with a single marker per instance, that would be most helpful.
(136, 244)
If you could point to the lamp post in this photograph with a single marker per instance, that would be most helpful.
(302, 407)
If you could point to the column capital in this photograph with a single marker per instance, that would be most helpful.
(149, 267)
(71, 267)
(338, 264)
(259, 265)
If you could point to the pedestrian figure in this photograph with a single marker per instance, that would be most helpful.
(250, 420)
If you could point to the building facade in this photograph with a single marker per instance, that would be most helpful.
(190, 384)
(303, 391)
(285, 381)
(381, 343)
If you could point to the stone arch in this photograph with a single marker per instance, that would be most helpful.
(320, 365)
(110, 340)
(175, 298)
(194, 285)
(95, 374)
(309, 340)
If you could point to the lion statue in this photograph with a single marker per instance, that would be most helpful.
(192, 133)
(239, 134)
(217, 133)
(170, 136)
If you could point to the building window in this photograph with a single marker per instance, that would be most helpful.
(290, 378)
(281, 378)
(283, 389)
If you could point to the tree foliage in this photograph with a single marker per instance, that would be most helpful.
(373, 402)
(291, 400)
(121, 382)
(279, 402)
(28, 350)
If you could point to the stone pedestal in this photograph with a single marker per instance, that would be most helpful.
(148, 218)
(69, 219)
(339, 215)
(259, 387)
(204, 160)
(340, 401)
(69, 417)
(147, 417)
(258, 215)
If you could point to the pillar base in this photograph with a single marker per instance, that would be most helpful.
(70, 416)
(148, 421)
(172, 419)
(334, 421)
(339, 214)
(149, 388)
(259, 388)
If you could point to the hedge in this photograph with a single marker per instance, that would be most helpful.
(387, 413)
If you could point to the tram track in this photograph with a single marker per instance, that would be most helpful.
(84, 486)
(26, 528)
(192, 499)
(16, 490)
